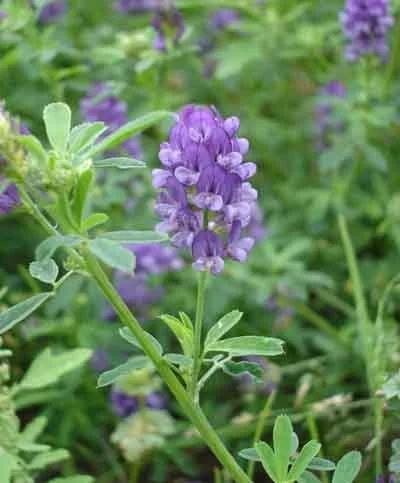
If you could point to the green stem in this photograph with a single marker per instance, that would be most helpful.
(363, 320)
(198, 328)
(378, 413)
(192, 411)
(260, 428)
(135, 472)
(313, 430)
(391, 66)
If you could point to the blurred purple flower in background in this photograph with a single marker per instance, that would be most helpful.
(389, 479)
(270, 379)
(124, 405)
(136, 291)
(101, 105)
(136, 6)
(3, 15)
(224, 18)
(9, 197)
(365, 25)
(52, 11)
(206, 199)
(167, 20)
(326, 125)
(100, 360)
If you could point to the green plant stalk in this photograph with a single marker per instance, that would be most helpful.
(394, 59)
(314, 434)
(192, 411)
(363, 320)
(198, 329)
(266, 411)
(364, 329)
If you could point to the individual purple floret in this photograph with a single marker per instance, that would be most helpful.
(224, 18)
(9, 197)
(101, 105)
(124, 405)
(365, 25)
(390, 479)
(206, 199)
(325, 124)
(136, 6)
(165, 21)
(52, 11)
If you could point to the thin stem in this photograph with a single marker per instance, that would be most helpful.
(260, 428)
(392, 64)
(313, 430)
(198, 328)
(135, 472)
(192, 411)
(364, 324)
(378, 413)
(214, 368)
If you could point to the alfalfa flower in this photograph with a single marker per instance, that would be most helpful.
(206, 199)
(136, 6)
(365, 25)
(169, 26)
(52, 11)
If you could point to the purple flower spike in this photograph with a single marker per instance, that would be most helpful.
(53, 11)
(165, 20)
(136, 6)
(325, 125)
(206, 200)
(9, 197)
(224, 18)
(365, 25)
(101, 105)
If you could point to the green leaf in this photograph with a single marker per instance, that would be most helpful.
(33, 447)
(321, 464)
(73, 479)
(33, 430)
(182, 333)
(347, 468)
(248, 345)
(282, 434)
(11, 317)
(48, 368)
(34, 148)
(127, 131)
(120, 163)
(7, 464)
(44, 460)
(179, 359)
(304, 459)
(391, 388)
(267, 459)
(224, 324)
(81, 195)
(93, 220)
(375, 157)
(113, 254)
(46, 270)
(308, 477)
(133, 364)
(57, 119)
(243, 367)
(249, 454)
(49, 246)
(127, 335)
(85, 135)
(135, 236)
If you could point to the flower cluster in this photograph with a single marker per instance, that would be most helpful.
(365, 24)
(325, 124)
(136, 291)
(52, 11)
(101, 105)
(206, 199)
(167, 21)
(9, 196)
(224, 18)
(136, 6)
